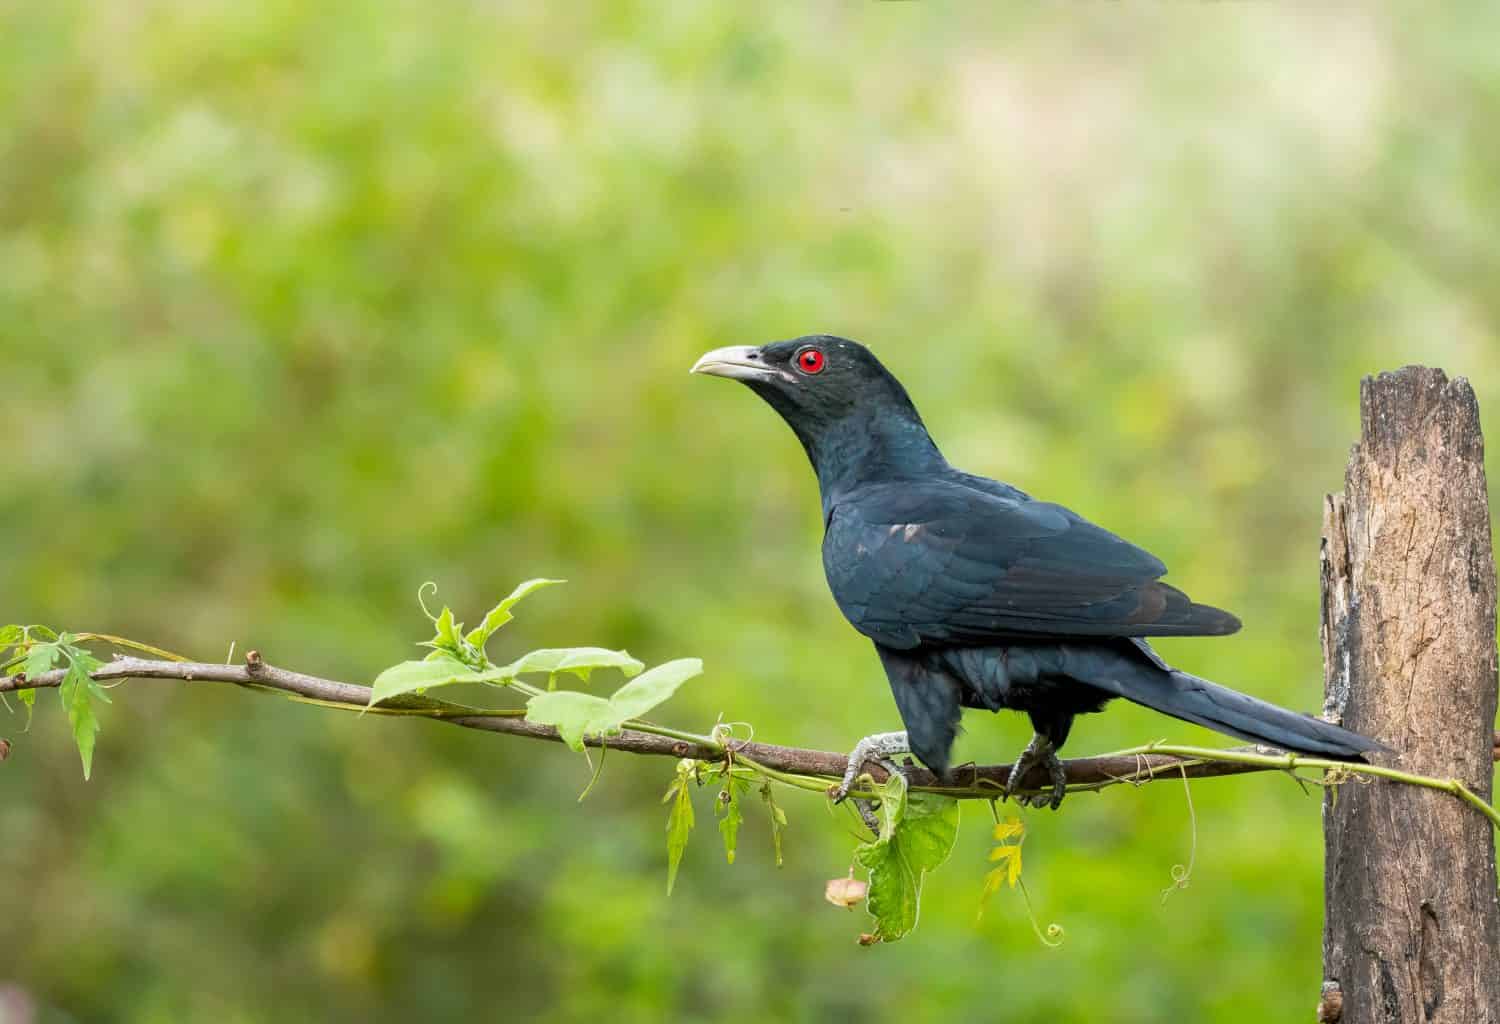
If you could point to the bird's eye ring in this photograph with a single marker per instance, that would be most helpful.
(810, 360)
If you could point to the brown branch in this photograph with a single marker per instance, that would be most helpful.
(973, 781)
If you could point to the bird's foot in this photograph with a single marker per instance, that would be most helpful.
(1039, 751)
(880, 748)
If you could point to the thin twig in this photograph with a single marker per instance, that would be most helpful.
(806, 769)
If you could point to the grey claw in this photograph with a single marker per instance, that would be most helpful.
(878, 748)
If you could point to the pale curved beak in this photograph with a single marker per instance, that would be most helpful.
(737, 362)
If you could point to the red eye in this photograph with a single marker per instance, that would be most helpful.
(810, 360)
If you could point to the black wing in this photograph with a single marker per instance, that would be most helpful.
(942, 562)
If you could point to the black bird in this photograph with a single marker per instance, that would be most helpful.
(976, 594)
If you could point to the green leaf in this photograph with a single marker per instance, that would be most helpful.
(575, 715)
(446, 642)
(778, 817)
(41, 658)
(580, 661)
(582, 714)
(76, 696)
(646, 691)
(411, 676)
(730, 816)
(447, 632)
(917, 834)
(892, 807)
(680, 820)
(500, 614)
(13, 636)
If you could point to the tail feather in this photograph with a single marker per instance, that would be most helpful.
(1216, 707)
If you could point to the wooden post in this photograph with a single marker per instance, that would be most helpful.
(1412, 931)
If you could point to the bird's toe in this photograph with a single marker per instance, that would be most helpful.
(880, 748)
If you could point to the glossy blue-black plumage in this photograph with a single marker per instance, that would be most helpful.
(976, 594)
(945, 563)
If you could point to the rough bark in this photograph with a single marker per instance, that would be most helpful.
(1413, 921)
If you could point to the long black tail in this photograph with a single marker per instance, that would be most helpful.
(1205, 703)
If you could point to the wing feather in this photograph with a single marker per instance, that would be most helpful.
(947, 563)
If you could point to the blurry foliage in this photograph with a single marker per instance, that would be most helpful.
(301, 305)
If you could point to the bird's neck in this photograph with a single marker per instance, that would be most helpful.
(861, 450)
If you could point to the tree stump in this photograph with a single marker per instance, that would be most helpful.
(1413, 921)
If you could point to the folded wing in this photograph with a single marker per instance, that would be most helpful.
(944, 563)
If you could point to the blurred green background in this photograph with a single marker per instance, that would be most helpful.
(304, 304)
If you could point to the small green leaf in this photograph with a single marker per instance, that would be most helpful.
(574, 714)
(679, 821)
(778, 817)
(582, 714)
(76, 693)
(893, 796)
(580, 661)
(41, 658)
(651, 688)
(10, 636)
(917, 834)
(501, 614)
(730, 816)
(447, 632)
(411, 676)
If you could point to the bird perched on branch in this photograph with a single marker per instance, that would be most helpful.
(976, 594)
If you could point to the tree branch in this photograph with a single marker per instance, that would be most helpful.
(968, 781)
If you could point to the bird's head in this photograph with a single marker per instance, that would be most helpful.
(811, 380)
(844, 406)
